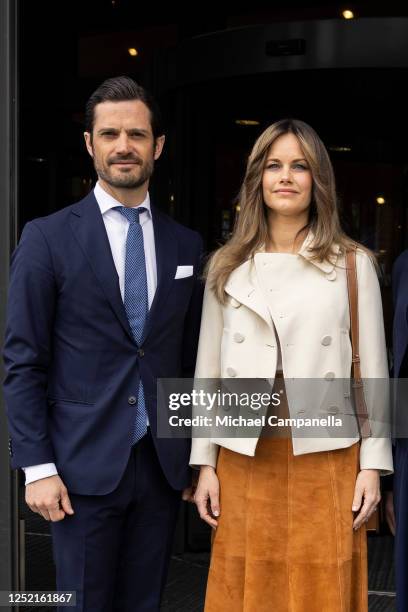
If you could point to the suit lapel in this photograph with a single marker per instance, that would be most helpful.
(166, 262)
(89, 229)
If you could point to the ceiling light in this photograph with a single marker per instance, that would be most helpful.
(247, 122)
(340, 149)
(347, 14)
(380, 200)
(133, 52)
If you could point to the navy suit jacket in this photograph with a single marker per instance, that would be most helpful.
(400, 299)
(72, 365)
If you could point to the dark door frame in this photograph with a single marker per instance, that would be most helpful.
(10, 559)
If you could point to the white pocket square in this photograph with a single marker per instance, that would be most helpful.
(184, 271)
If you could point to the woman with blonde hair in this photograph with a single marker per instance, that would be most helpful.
(289, 514)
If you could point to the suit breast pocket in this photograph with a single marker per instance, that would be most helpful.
(182, 288)
(184, 272)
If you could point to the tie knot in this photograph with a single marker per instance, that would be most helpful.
(131, 214)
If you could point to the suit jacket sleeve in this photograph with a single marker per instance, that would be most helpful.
(400, 327)
(376, 451)
(28, 348)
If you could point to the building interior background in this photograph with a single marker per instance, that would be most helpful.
(67, 49)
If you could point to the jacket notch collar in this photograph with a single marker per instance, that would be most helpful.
(243, 287)
(325, 266)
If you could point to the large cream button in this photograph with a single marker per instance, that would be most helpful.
(239, 337)
(329, 375)
(235, 303)
(231, 372)
(326, 340)
(331, 276)
(332, 410)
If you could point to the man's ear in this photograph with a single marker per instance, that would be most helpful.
(158, 146)
(88, 143)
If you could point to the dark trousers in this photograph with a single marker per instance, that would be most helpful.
(401, 515)
(114, 551)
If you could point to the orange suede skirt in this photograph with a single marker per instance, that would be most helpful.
(285, 541)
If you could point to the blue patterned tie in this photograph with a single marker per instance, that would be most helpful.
(136, 298)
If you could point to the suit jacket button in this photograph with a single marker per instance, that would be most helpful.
(140, 352)
(326, 340)
(231, 372)
(239, 337)
(132, 400)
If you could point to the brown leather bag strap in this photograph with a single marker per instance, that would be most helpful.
(357, 382)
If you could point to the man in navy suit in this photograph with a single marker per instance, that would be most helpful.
(104, 299)
(400, 370)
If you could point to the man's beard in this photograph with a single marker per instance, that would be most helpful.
(125, 180)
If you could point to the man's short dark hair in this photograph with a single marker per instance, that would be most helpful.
(119, 89)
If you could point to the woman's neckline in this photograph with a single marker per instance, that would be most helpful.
(277, 253)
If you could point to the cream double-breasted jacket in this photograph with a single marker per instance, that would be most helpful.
(305, 304)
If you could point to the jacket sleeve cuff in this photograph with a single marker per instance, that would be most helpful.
(376, 454)
(203, 452)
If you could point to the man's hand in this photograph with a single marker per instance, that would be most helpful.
(188, 493)
(49, 497)
(367, 496)
(207, 496)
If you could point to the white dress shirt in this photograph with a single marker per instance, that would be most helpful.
(116, 226)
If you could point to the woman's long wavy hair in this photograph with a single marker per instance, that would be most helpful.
(251, 228)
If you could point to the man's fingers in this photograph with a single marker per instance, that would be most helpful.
(49, 498)
(50, 510)
(66, 503)
(188, 495)
(56, 513)
(392, 524)
(389, 511)
(41, 510)
(45, 514)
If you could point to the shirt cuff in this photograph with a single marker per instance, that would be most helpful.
(36, 472)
